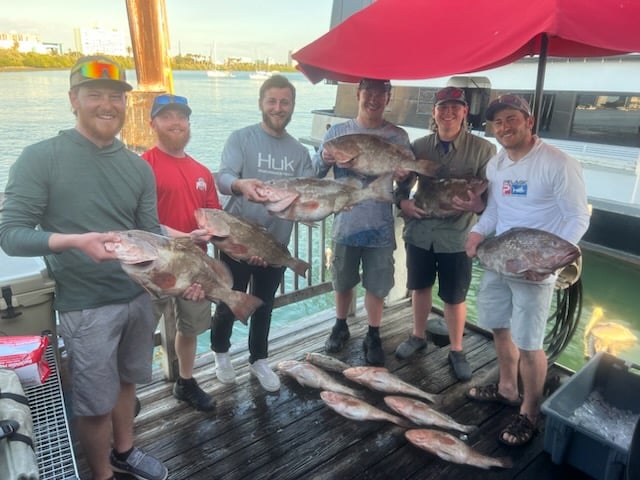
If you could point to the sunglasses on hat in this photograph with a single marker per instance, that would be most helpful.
(97, 70)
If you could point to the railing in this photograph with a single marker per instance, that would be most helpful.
(309, 243)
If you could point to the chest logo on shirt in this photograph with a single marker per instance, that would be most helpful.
(271, 163)
(515, 188)
(201, 185)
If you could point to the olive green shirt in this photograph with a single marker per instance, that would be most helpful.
(468, 155)
(66, 184)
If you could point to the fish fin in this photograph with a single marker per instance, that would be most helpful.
(221, 269)
(382, 189)
(242, 304)
(299, 266)
(428, 168)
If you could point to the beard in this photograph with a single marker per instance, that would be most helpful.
(278, 125)
(172, 141)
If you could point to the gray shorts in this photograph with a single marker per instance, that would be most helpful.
(520, 305)
(192, 318)
(107, 346)
(377, 268)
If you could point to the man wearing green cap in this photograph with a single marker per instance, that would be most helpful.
(61, 193)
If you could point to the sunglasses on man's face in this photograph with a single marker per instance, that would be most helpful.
(97, 70)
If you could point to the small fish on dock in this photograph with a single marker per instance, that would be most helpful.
(356, 409)
(326, 362)
(451, 449)
(380, 379)
(309, 375)
(422, 414)
(373, 155)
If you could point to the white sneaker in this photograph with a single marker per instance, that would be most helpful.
(262, 371)
(224, 369)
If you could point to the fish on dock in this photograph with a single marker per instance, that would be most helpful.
(422, 414)
(451, 449)
(373, 156)
(241, 240)
(356, 409)
(308, 200)
(309, 375)
(168, 266)
(520, 250)
(435, 196)
(380, 379)
(326, 362)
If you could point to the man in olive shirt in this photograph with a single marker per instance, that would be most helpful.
(436, 246)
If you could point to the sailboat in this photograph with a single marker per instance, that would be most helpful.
(213, 72)
(260, 74)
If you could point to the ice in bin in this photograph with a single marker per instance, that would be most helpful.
(26, 300)
(583, 445)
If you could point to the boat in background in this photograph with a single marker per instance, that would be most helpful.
(590, 110)
(260, 75)
(213, 72)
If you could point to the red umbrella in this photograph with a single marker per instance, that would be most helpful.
(415, 39)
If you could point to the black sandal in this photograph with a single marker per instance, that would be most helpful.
(521, 428)
(490, 393)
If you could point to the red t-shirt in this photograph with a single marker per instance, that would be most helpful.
(183, 185)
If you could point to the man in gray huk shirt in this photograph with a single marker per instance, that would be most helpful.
(251, 155)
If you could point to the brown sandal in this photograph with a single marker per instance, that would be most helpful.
(490, 393)
(521, 428)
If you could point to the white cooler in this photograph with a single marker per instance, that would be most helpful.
(26, 296)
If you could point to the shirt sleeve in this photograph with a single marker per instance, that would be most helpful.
(231, 164)
(570, 190)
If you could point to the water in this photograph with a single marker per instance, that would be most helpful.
(36, 107)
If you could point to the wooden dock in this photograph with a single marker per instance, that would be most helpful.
(291, 434)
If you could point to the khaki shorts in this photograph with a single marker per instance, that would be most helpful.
(107, 346)
(377, 268)
(520, 305)
(192, 318)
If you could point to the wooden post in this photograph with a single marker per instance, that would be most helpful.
(167, 324)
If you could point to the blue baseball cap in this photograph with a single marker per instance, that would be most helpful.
(165, 101)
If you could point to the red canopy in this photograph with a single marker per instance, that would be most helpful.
(414, 39)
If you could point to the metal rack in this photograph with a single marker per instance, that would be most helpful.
(54, 449)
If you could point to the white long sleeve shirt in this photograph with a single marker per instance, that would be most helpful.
(545, 190)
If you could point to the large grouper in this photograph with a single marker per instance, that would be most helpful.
(168, 266)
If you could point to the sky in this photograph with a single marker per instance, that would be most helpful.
(248, 28)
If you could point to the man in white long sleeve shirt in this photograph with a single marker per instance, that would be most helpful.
(535, 185)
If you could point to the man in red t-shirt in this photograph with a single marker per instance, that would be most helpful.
(183, 185)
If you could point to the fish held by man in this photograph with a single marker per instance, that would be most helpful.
(326, 362)
(520, 250)
(356, 409)
(244, 240)
(309, 200)
(372, 155)
(437, 199)
(381, 380)
(451, 449)
(309, 375)
(168, 266)
(422, 414)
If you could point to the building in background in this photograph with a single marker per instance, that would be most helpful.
(98, 40)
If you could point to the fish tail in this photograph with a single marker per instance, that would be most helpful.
(379, 189)
(299, 266)
(243, 305)
(428, 168)
(468, 428)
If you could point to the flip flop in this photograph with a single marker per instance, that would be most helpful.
(490, 394)
(521, 428)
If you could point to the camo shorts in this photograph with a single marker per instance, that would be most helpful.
(106, 346)
(377, 268)
(520, 305)
(192, 318)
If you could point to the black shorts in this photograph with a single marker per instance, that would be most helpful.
(453, 270)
